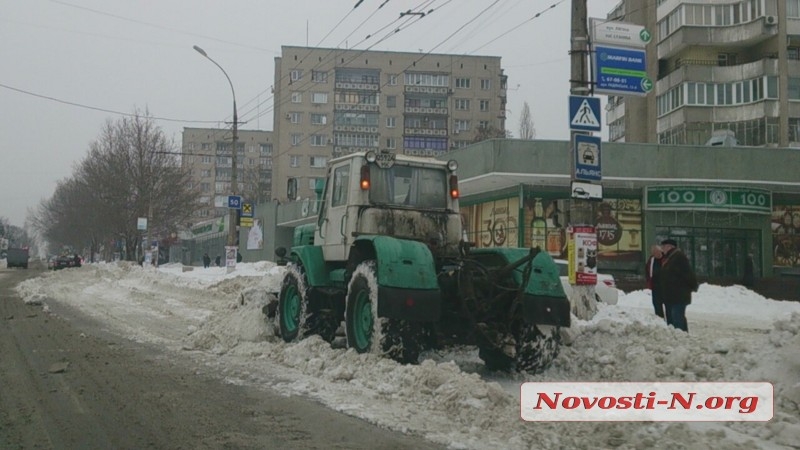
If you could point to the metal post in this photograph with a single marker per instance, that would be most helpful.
(581, 212)
(232, 230)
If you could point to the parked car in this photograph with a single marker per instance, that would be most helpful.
(65, 261)
(605, 290)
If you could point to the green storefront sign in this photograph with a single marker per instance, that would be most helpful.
(728, 199)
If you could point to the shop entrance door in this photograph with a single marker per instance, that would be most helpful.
(717, 253)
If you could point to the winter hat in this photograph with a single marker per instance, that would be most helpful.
(671, 242)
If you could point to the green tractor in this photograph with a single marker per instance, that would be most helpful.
(388, 257)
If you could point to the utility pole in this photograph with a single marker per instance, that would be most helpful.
(233, 212)
(581, 212)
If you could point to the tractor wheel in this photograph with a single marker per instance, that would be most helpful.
(292, 304)
(296, 318)
(366, 332)
(537, 347)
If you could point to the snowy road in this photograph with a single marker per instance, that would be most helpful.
(449, 398)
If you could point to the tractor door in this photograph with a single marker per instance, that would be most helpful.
(332, 226)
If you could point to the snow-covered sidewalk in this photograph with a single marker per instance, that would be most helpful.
(216, 319)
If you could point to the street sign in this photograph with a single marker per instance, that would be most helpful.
(621, 71)
(141, 223)
(246, 222)
(587, 157)
(247, 210)
(584, 113)
(586, 191)
(234, 202)
(619, 33)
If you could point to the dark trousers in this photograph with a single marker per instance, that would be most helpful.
(676, 316)
(658, 306)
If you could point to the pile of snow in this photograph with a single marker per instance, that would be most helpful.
(216, 318)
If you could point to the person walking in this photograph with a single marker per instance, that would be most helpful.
(677, 281)
(206, 260)
(651, 272)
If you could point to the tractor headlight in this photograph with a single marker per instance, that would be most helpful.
(452, 165)
(371, 157)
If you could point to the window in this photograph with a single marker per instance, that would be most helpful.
(391, 122)
(390, 143)
(295, 117)
(205, 146)
(318, 76)
(206, 159)
(205, 187)
(297, 97)
(462, 83)
(483, 124)
(266, 149)
(391, 101)
(294, 161)
(484, 105)
(312, 183)
(427, 79)
(392, 79)
(461, 125)
(341, 182)
(405, 185)
(319, 140)
(462, 104)
(319, 119)
(319, 97)
(296, 138)
(318, 162)
(793, 8)
(486, 84)
(265, 163)
(794, 88)
(205, 173)
(296, 75)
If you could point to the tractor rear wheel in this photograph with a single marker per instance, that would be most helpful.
(368, 333)
(537, 347)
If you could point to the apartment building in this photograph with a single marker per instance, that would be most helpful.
(331, 102)
(207, 153)
(720, 65)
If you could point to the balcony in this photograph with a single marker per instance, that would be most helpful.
(425, 110)
(356, 86)
(733, 36)
(433, 90)
(701, 70)
(425, 132)
(340, 150)
(345, 107)
(356, 128)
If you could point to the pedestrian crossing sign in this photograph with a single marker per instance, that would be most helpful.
(584, 113)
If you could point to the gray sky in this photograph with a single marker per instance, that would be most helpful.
(117, 55)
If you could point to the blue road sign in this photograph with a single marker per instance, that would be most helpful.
(247, 210)
(621, 71)
(234, 202)
(587, 157)
(584, 113)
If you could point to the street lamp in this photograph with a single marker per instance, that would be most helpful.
(234, 181)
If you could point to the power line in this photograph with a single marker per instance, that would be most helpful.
(536, 16)
(95, 108)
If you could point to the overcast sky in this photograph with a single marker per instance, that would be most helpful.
(113, 56)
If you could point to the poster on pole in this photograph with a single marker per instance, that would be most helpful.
(582, 254)
(230, 257)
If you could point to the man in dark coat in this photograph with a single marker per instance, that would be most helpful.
(651, 272)
(677, 281)
(206, 260)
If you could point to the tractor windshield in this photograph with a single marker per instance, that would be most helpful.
(419, 187)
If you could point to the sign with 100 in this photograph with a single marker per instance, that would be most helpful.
(732, 199)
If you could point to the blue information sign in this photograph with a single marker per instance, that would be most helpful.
(234, 202)
(621, 71)
(587, 157)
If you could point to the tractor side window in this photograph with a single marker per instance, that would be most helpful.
(341, 183)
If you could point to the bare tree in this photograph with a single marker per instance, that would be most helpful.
(130, 171)
(490, 132)
(526, 128)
